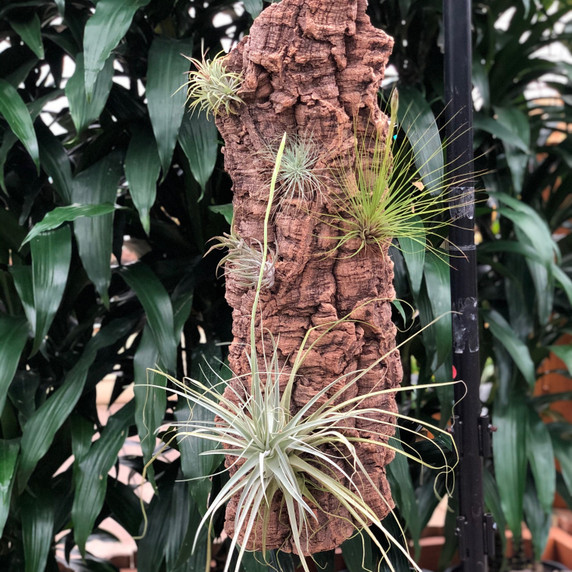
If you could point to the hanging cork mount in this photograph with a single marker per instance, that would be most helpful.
(312, 69)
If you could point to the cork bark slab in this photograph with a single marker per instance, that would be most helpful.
(313, 67)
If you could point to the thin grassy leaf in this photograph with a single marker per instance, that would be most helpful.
(38, 515)
(158, 309)
(8, 458)
(166, 108)
(15, 112)
(30, 31)
(142, 169)
(90, 476)
(40, 429)
(541, 460)
(60, 215)
(95, 186)
(14, 334)
(198, 138)
(510, 459)
(85, 110)
(51, 256)
(520, 354)
(103, 31)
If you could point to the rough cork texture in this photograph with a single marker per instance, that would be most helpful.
(313, 67)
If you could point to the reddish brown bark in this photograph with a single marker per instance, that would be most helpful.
(313, 67)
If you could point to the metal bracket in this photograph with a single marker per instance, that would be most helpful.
(489, 532)
(490, 529)
(485, 437)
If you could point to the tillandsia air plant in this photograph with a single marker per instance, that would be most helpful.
(277, 457)
(210, 87)
(244, 260)
(384, 197)
(300, 178)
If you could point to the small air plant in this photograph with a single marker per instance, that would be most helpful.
(211, 88)
(392, 192)
(281, 457)
(244, 260)
(300, 180)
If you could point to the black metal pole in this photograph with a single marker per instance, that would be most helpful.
(470, 429)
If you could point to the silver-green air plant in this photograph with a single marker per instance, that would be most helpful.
(244, 260)
(282, 457)
(300, 180)
(211, 87)
(392, 191)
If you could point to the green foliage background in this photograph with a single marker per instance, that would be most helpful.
(109, 160)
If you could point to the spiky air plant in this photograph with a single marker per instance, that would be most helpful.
(384, 196)
(211, 88)
(281, 457)
(244, 260)
(300, 180)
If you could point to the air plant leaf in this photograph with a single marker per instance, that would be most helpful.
(395, 189)
(211, 87)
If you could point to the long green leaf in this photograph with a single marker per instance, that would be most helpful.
(158, 308)
(95, 186)
(51, 256)
(14, 334)
(103, 31)
(253, 7)
(538, 519)
(403, 491)
(38, 515)
(437, 280)
(165, 74)
(85, 110)
(517, 349)
(198, 138)
(495, 128)
(30, 30)
(358, 554)
(90, 478)
(59, 215)
(541, 459)
(493, 502)
(414, 256)
(39, 431)
(8, 458)
(150, 397)
(55, 162)
(420, 127)
(22, 276)
(564, 352)
(142, 169)
(561, 447)
(510, 459)
(15, 112)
